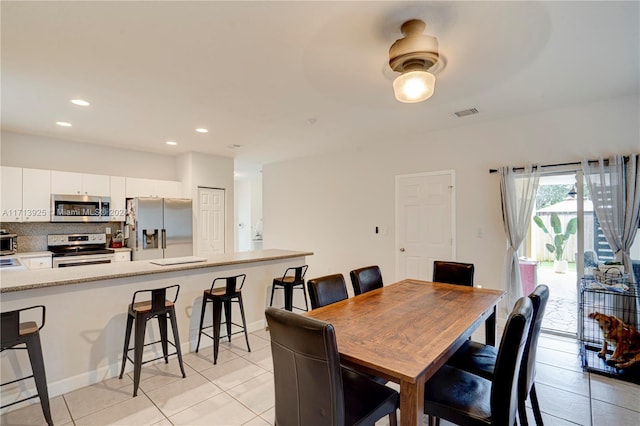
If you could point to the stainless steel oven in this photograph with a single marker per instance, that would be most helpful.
(71, 250)
(79, 208)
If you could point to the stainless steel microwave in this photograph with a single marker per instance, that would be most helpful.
(79, 208)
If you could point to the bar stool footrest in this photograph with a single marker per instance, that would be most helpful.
(153, 343)
(18, 380)
(22, 400)
(222, 335)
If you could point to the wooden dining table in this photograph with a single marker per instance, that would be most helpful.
(404, 332)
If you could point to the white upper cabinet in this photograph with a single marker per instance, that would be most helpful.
(118, 204)
(79, 183)
(139, 187)
(96, 185)
(36, 195)
(11, 194)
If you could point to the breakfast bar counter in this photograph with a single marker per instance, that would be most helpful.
(86, 309)
(28, 280)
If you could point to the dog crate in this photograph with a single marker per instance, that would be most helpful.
(617, 298)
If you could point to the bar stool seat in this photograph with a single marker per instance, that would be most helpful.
(288, 283)
(157, 307)
(16, 333)
(221, 298)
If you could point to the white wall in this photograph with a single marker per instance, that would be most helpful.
(256, 204)
(197, 169)
(36, 152)
(331, 204)
(243, 214)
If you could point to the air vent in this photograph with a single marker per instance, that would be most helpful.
(466, 112)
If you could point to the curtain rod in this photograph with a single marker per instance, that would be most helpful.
(575, 163)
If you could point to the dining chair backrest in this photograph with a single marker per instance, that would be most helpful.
(453, 273)
(306, 370)
(504, 389)
(366, 279)
(326, 290)
(539, 298)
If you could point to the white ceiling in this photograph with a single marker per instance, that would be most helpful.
(258, 73)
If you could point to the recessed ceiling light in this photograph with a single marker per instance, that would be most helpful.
(172, 143)
(202, 130)
(311, 120)
(80, 102)
(63, 123)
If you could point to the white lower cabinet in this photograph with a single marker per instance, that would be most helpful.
(122, 256)
(37, 261)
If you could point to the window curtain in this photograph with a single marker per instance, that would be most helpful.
(615, 192)
(518, 195)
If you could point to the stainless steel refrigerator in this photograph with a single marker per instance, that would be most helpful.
(159, 228)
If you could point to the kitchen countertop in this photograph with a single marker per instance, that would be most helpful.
(27, 280)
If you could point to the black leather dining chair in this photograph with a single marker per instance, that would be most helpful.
(366, 279)
(453, 273)
(480, 359)
(467, 399)
(311, 388)
(326, 290)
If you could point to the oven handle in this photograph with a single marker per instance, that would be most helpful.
(79, 262)
(83, 263)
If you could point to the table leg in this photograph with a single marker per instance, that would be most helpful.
(411, 403)
(490, 329)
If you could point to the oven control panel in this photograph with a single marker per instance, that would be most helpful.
(76, 239)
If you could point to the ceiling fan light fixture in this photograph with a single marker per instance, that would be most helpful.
(413, 56)
(414, 86)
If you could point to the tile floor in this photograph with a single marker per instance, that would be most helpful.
(239, 391)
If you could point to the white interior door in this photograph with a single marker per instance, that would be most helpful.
(211, 220)
(425, 226)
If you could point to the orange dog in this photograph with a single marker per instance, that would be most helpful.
(625, 338)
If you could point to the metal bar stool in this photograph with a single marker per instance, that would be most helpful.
(158, 307)
(288, 283)
(222, 297)
(15, 333)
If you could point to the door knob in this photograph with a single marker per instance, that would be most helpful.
(402, 249)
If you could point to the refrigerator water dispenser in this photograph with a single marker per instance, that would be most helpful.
(150, 239)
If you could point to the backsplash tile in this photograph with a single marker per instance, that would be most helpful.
(33, 236)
